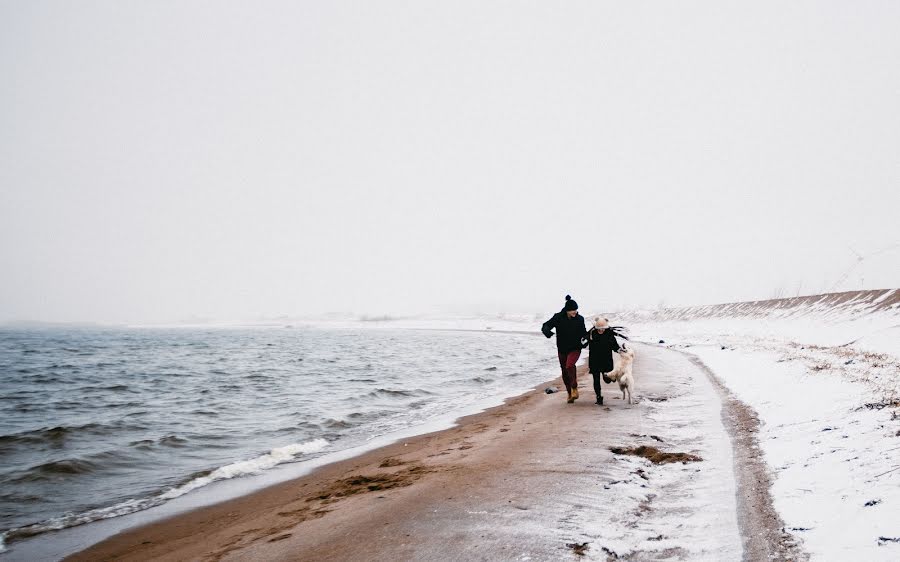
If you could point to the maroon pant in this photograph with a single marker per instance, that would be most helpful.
(567, 365)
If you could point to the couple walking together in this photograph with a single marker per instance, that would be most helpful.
(572, 337)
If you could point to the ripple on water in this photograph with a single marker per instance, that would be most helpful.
(55, 470)
(332, 423)
(397, 393)
(173, 441)
(60, 434)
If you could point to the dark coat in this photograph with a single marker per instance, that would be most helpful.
(600, 346)
(570, 332)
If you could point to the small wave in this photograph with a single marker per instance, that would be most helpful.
(306, 427)
(29, 407)
(56, 469)
(199, 479)
(143, 444)
(359, 418)
(73, 519)
(172, 441)
(491, 369)
(56, 436)
(194, 476)
(395, 393)
(44, 378)
(208, 413)
(389, 392)
(256, 465)
(332, 423)
(100, 388)
(69, 405)
(482, 380)
(167, 441)
(104, 461)
(122, 405)
(107, 460)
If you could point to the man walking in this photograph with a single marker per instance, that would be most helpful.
(570, 332)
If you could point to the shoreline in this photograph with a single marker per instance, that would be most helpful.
(48, 544)
(532, 477)
(133, 543)
(81, 537)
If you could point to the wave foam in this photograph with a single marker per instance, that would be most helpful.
(252, 466)
(256, 465)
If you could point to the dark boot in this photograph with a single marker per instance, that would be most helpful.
(598, 389)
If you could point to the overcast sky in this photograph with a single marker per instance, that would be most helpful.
(163, 161)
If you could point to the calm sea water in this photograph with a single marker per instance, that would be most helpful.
(96, 423)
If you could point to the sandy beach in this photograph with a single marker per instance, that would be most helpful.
(533, 479)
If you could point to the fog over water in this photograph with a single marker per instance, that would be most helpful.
(164, 162)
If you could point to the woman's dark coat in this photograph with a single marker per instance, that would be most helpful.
(570, 332)
(600, 346)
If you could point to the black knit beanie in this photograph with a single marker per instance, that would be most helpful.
(570, 304)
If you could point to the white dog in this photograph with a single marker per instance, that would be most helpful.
(622, 373)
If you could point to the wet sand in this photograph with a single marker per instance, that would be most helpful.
(532, 478)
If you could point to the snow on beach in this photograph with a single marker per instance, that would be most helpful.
(682, 510)
(831, 446)
(823, 375)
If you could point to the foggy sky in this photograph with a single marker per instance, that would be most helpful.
(163, 161)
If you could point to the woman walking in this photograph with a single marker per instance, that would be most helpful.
(601, 343)
(570, 333)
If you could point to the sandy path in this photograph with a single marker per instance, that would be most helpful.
(533, 479)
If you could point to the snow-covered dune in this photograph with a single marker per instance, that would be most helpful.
(823, 375)
(862, 319)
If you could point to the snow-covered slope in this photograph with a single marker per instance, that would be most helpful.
(823, 374)
(867, 320)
